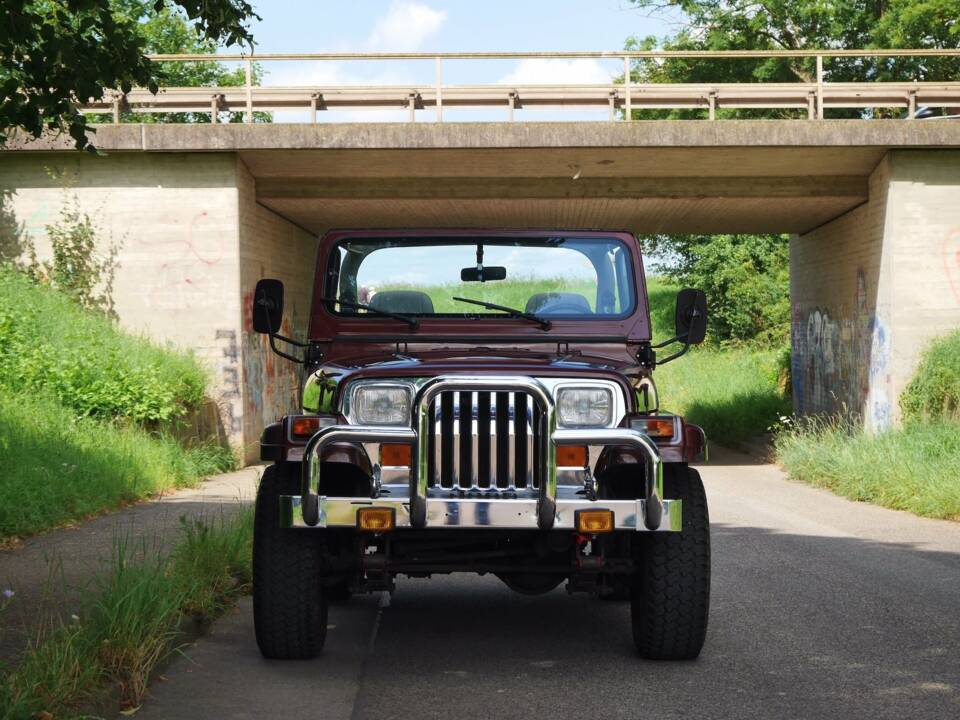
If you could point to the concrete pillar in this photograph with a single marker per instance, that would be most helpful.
(871, 288)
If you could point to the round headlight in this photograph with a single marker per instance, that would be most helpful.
(584, 407)
(381, 405)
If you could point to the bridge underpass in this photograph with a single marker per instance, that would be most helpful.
(202, 212)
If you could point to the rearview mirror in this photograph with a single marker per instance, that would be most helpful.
(483, 273)
(268, 306)
(691, 316)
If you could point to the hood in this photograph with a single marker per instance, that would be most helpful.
(321, 392)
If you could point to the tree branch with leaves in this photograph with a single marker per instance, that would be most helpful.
(56, 55)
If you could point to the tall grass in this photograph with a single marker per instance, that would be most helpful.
(58, 467)
(916, 468)
(129, 621)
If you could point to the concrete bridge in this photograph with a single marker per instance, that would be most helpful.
(203, 211)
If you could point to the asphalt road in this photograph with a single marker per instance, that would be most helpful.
(822, 608)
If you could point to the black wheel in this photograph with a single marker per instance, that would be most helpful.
(289, 603)
(671, 603)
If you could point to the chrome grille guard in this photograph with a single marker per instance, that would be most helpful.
(419, 509)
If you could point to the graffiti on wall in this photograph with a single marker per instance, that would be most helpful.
(189, 275)
(230, 409)
(271, 383)
(840, 360)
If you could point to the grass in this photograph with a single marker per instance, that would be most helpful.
(732, 392)
(59, 468)
(130, 621)
(916, 468)
(511, 293)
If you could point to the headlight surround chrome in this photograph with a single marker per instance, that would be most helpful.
(381, 404)
(582, 407)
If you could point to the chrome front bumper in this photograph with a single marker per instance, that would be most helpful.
(418, 506)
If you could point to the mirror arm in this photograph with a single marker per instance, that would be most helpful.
(675, 338)
(281, 353)
(686, 346)
(295, 343)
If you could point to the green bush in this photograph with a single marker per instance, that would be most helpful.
(48, 344)
(934, 390)
(746, 279)
(58, 467)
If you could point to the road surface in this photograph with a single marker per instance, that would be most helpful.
(822, 608)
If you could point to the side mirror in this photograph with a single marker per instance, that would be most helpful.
(691, 316)
(268, 306)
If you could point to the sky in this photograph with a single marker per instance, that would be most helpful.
(448, 26)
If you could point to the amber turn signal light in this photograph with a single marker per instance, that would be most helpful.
(392, 455)
(375, 519)
(594, 521)
(305, 427)
(572, 456)
(655, 427)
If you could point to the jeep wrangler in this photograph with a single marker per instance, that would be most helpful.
(481, 401)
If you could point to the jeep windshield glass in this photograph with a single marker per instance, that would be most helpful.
(550, 278)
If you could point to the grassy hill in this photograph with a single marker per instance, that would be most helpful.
(86, 412)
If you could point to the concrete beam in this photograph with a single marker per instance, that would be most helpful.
(850, 187)
(647, 134)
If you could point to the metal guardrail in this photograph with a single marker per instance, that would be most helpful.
(814, 97)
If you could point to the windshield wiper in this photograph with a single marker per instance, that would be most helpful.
(512, 312)
(412, 322)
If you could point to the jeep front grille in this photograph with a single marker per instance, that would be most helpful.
(484, 440)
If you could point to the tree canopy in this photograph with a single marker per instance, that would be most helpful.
(57, 54)
(801, 25)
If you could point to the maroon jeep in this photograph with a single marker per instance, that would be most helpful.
(481, 401)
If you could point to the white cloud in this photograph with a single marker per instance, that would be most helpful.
(405, 27)
(546, 71)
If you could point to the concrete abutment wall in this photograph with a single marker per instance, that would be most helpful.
(871, 288)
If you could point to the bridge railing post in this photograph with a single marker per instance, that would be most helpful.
(438, 79)
(248, 72)
(819, 87)
(628, 100)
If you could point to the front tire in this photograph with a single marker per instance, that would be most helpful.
(289, 602)
(671, 603)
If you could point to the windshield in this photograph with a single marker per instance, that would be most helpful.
(574, 278)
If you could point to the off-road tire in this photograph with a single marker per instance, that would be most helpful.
(289, 603)
(671, 603)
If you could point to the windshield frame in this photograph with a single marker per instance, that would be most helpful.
(328, 324)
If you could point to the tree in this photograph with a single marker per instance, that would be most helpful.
(800, 25)
(745, 277)
(169, 32)
(57, 54)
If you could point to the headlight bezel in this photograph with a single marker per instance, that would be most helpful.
(353, 407)
(562, 390)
